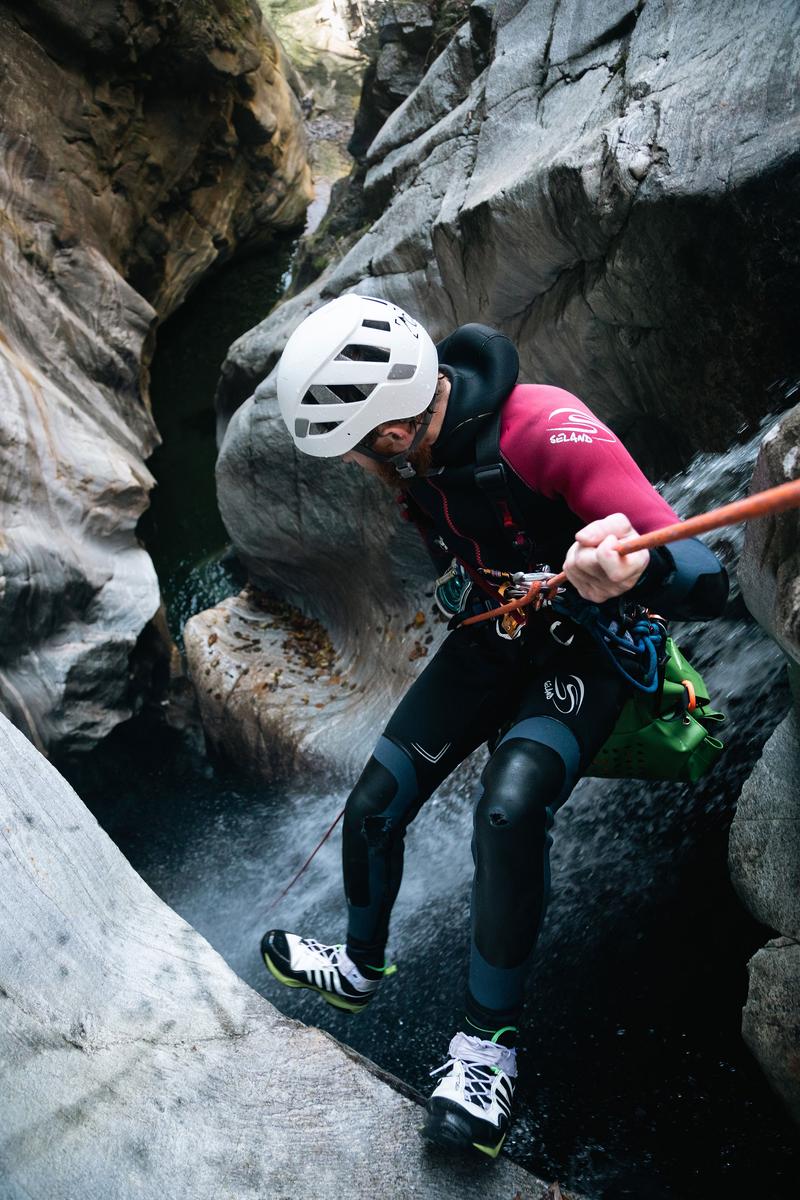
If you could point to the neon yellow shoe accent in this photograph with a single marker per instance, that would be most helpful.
(336, 1001)
(492, 1151)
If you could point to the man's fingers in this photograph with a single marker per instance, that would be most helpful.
(610, 561)
(596, 531)
(621, 567)
(592, 585)
(600, 572)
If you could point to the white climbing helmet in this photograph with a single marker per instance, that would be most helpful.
(350, 366)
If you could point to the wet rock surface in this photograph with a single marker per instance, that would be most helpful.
(140, 146)
(764, 859)
(139, 1064)
(769, 570)
(764, 851)
(770, 1019)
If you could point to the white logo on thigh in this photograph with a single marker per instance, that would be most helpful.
(432, 758)
(567, 697)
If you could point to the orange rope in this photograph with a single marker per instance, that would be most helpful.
(773, 500)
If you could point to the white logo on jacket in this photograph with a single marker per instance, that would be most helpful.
(572, 425)
(566, 697)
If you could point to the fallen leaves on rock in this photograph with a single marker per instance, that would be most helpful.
(417, 621)
(418, 651)
(307, 640)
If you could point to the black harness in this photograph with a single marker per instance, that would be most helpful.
(491, 479)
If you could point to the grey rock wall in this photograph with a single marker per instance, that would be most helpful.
(769, 571)
(134, 1063)
(614, 190)
(140, 144)
(765, 837)
(403, 35)
(764, 850)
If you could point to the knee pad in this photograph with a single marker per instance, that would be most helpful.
(521, 784)
(383, 799)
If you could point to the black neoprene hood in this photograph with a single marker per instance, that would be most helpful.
(482, 366)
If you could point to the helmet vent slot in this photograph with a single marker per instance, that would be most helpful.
(354, 353)
(402, 371)
(377, 325)
(339, 393)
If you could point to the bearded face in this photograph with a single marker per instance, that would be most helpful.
(421, 460)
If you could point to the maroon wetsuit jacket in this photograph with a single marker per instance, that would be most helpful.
(563, 468)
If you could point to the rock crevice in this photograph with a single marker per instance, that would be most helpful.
(141, 145)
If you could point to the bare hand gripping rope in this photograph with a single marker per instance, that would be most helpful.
(773, 500)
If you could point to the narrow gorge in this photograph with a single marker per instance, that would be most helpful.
(615, 187)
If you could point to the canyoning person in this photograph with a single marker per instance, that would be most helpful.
(506, 482)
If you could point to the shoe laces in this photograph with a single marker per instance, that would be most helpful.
(329, 952)
(475, 1055)
(338, 957)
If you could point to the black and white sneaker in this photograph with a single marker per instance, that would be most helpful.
(471, 1106)
(306, 963)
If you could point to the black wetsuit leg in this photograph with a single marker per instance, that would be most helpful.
(464, 694)
(566, 712)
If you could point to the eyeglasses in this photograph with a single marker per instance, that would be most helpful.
(372, 437)
(376, 434)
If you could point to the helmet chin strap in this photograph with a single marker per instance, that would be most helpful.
(401, 462)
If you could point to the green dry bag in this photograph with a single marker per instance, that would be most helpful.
(659, 737)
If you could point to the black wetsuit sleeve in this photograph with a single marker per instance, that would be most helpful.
(684, 582)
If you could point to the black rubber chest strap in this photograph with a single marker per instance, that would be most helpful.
(490, 471)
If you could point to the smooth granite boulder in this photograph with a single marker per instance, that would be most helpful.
(140, 144)
(769, 570)
(764, 848)
(328, 539)
(134, 1063)
(771, 1017)
(764, 854)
